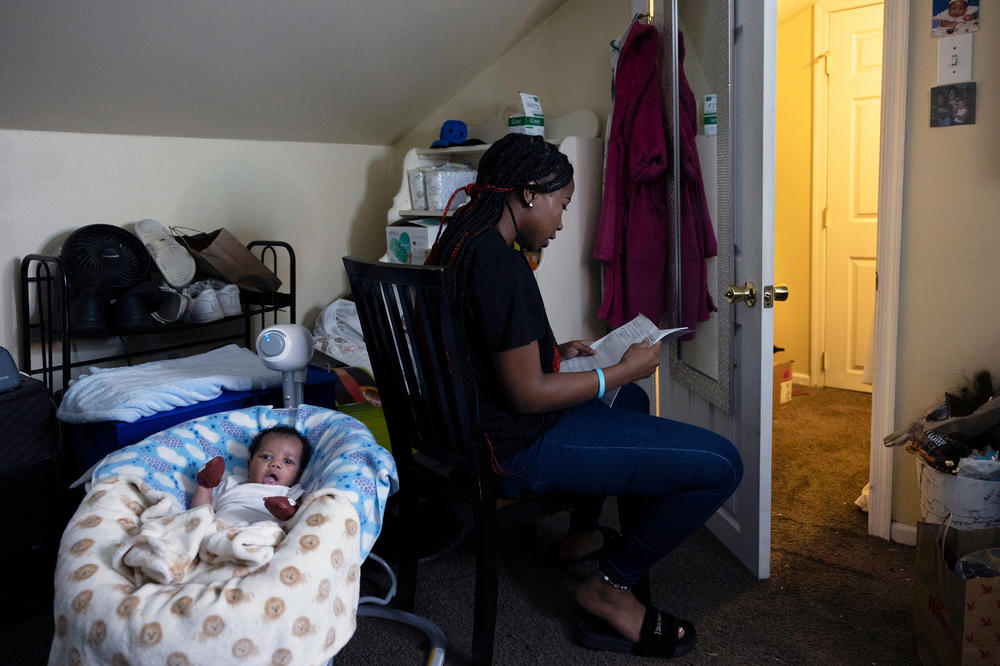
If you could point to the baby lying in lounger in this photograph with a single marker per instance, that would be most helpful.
(277, 457)
(229, 520)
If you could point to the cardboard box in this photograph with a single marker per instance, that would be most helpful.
(955, 609)
(782, 383)
(409, 241)
(528, 119)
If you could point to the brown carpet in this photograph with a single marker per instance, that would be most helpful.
(835, 595)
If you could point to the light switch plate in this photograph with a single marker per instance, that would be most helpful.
(955, 59)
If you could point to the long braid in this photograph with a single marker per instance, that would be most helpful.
(515, 161)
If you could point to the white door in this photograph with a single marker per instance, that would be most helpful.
(743, 524)
(855, 88)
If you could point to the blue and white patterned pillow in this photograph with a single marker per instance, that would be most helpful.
(344, 456)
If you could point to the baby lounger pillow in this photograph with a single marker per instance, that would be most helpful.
(344, 456)
(299, 607)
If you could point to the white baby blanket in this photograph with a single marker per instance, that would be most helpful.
(297, 608)
(130, 393)
(167, 550)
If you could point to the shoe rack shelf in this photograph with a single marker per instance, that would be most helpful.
(45, 321)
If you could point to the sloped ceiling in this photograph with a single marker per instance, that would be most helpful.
(339, 71)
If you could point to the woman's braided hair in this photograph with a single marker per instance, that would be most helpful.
(517, 161)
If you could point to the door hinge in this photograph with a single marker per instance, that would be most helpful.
(826, 63)
(826, 217)
(822, 361)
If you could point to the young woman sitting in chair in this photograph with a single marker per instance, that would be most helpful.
(547, 430)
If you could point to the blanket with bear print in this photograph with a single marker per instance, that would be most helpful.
(298, 607)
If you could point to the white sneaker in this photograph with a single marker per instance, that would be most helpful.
(229, 299)
(172, 259)
(205, 306)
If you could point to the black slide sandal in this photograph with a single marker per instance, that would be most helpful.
(657, 638)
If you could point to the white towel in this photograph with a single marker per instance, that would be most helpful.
(129, 394)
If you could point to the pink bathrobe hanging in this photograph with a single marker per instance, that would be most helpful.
(633, 232)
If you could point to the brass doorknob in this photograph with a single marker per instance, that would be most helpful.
(772, 293)
(746, 294)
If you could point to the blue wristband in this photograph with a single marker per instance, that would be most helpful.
(600, 383)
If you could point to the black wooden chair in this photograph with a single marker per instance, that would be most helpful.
(420, 359)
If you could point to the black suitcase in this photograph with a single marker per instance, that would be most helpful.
(34, 494)
(28, 422)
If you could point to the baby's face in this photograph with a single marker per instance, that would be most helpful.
(956, 9)
(277, 461)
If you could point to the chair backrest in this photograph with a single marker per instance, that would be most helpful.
(420, 358)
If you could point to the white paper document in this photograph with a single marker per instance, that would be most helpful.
(612, 346)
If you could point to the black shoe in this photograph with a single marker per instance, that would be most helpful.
(88, 304)
(131, 311)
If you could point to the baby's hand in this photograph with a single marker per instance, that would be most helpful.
(280, 507)
(211, 474)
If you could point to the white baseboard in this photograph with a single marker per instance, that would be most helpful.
(903, 533)
(801, 378)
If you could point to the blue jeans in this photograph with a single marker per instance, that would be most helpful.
(670, 476)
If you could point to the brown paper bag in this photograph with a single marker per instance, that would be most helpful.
(955, 621)
(220, 255)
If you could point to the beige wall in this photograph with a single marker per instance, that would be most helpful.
(949, 321)
(326, 200)
(565, 61)
(329, 200)
(793, 177)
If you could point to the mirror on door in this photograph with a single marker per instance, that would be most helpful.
(697, 68)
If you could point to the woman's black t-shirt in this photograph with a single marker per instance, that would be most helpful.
(505, 311)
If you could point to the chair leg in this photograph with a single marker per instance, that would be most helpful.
(487, 583)
(406, 586)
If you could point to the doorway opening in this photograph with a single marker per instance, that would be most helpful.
(829, 79)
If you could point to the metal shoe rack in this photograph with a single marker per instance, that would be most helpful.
(44, 318)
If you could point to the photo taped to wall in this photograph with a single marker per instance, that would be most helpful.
(953, 104)
(952, 17)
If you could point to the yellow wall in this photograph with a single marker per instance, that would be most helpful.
(793, 176)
